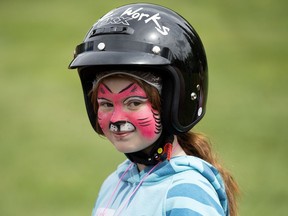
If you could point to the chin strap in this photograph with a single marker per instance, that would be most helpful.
(161, 150)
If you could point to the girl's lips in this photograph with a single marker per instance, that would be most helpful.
(122, 134)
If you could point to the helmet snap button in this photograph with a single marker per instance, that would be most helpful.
(101, 46)
(193, 96)
(156, 49)
(200, 110)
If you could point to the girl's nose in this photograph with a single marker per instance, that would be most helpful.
(118, 115)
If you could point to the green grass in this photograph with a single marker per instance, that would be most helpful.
(51, 161)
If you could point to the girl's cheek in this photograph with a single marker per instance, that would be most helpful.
(103, 120)
(147, 124)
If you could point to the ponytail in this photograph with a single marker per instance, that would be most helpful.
(199, 145)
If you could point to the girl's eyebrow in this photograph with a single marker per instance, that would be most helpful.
(101, 98)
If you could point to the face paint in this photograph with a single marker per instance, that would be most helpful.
(121, 126)
(125, 115)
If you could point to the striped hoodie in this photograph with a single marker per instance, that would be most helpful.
(185, 185)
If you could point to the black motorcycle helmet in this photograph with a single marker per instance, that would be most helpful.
(149, 37)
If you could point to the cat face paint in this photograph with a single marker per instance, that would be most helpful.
(125, 115)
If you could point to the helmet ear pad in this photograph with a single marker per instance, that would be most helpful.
(179, 111)
(171, 98)
(87, 76)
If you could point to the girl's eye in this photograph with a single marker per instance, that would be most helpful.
(135, 104)
(107, 105)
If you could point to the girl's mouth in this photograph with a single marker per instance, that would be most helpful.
(121, 135)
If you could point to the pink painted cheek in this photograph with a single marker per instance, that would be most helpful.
(103, 120)
(147, 123)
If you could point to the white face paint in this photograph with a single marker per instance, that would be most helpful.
(121, 127)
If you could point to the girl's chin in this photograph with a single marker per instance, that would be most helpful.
(129, 142)
(127, 147)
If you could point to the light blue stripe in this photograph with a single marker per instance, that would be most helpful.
(183, 212)
(193, 205)
(196, 193)
(196, 178)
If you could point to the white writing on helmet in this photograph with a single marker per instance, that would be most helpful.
(139, 16)
(130, 14)
(110, 19)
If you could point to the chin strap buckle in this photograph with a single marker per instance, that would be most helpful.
(165, 152)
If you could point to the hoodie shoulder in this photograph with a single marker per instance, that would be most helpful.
(197, 189)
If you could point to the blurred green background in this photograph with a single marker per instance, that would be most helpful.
(51, 161)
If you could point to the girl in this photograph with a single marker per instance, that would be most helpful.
(144, 75)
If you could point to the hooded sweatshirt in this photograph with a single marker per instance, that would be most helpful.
(183, 186)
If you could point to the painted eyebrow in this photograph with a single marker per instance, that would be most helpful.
(107, 87)
(124, 89)
(136, 97)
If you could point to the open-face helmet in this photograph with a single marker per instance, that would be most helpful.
(149, 37)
